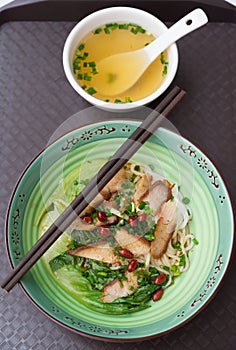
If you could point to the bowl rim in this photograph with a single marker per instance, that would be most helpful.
(120, 339)
(172, 52)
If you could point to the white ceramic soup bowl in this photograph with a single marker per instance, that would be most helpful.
(120, 15)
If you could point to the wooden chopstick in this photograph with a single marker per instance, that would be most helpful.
(105, 174)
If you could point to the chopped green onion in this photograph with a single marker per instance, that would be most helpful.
(175, 270)
(166, 268)
(94, 71)
(108, 213)
(153, 270)
(85, 55)
(162, 59)
(114, 26)
(182, 260)
(76, 65)
(141, 30)
(97, 31)
(111, 26)
(81, 47)
(91, 91)
(106, 30)
(195, 241)
(129, 208)
(134, 31)
(177, 245)
(133, 176)
(128, 99)
(142, 205)
(87, 77)
(137, 29)
(137, 167)
(77, 52)
(72, 245)
(123, 26)
(149, 236)
(165, 63)
(102, 273)
(164, 72)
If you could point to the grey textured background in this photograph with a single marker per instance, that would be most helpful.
(35, 99)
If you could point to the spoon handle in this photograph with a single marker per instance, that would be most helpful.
(185, 25)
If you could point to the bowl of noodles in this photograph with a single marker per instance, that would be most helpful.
(145, 256)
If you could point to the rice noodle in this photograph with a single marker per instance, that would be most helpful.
(172, 256)
(139, 172)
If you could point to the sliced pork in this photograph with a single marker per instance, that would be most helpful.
(100, 251)
(134, 243)
(142, 188)
(119, 288)
(157, 195)
(103, 198)
(115, 184)
(165, 228)
(80, 225)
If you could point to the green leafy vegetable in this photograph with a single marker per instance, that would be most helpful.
(60, 261)
(140, 297)
(88, 237)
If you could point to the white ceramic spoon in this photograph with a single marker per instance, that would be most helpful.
(112, 79)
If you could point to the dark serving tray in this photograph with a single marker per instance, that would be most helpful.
(35, 99)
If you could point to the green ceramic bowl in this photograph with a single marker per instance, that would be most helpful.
(180, 162)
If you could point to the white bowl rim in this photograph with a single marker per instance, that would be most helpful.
(172, 52)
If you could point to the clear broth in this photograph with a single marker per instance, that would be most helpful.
(109, 40)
